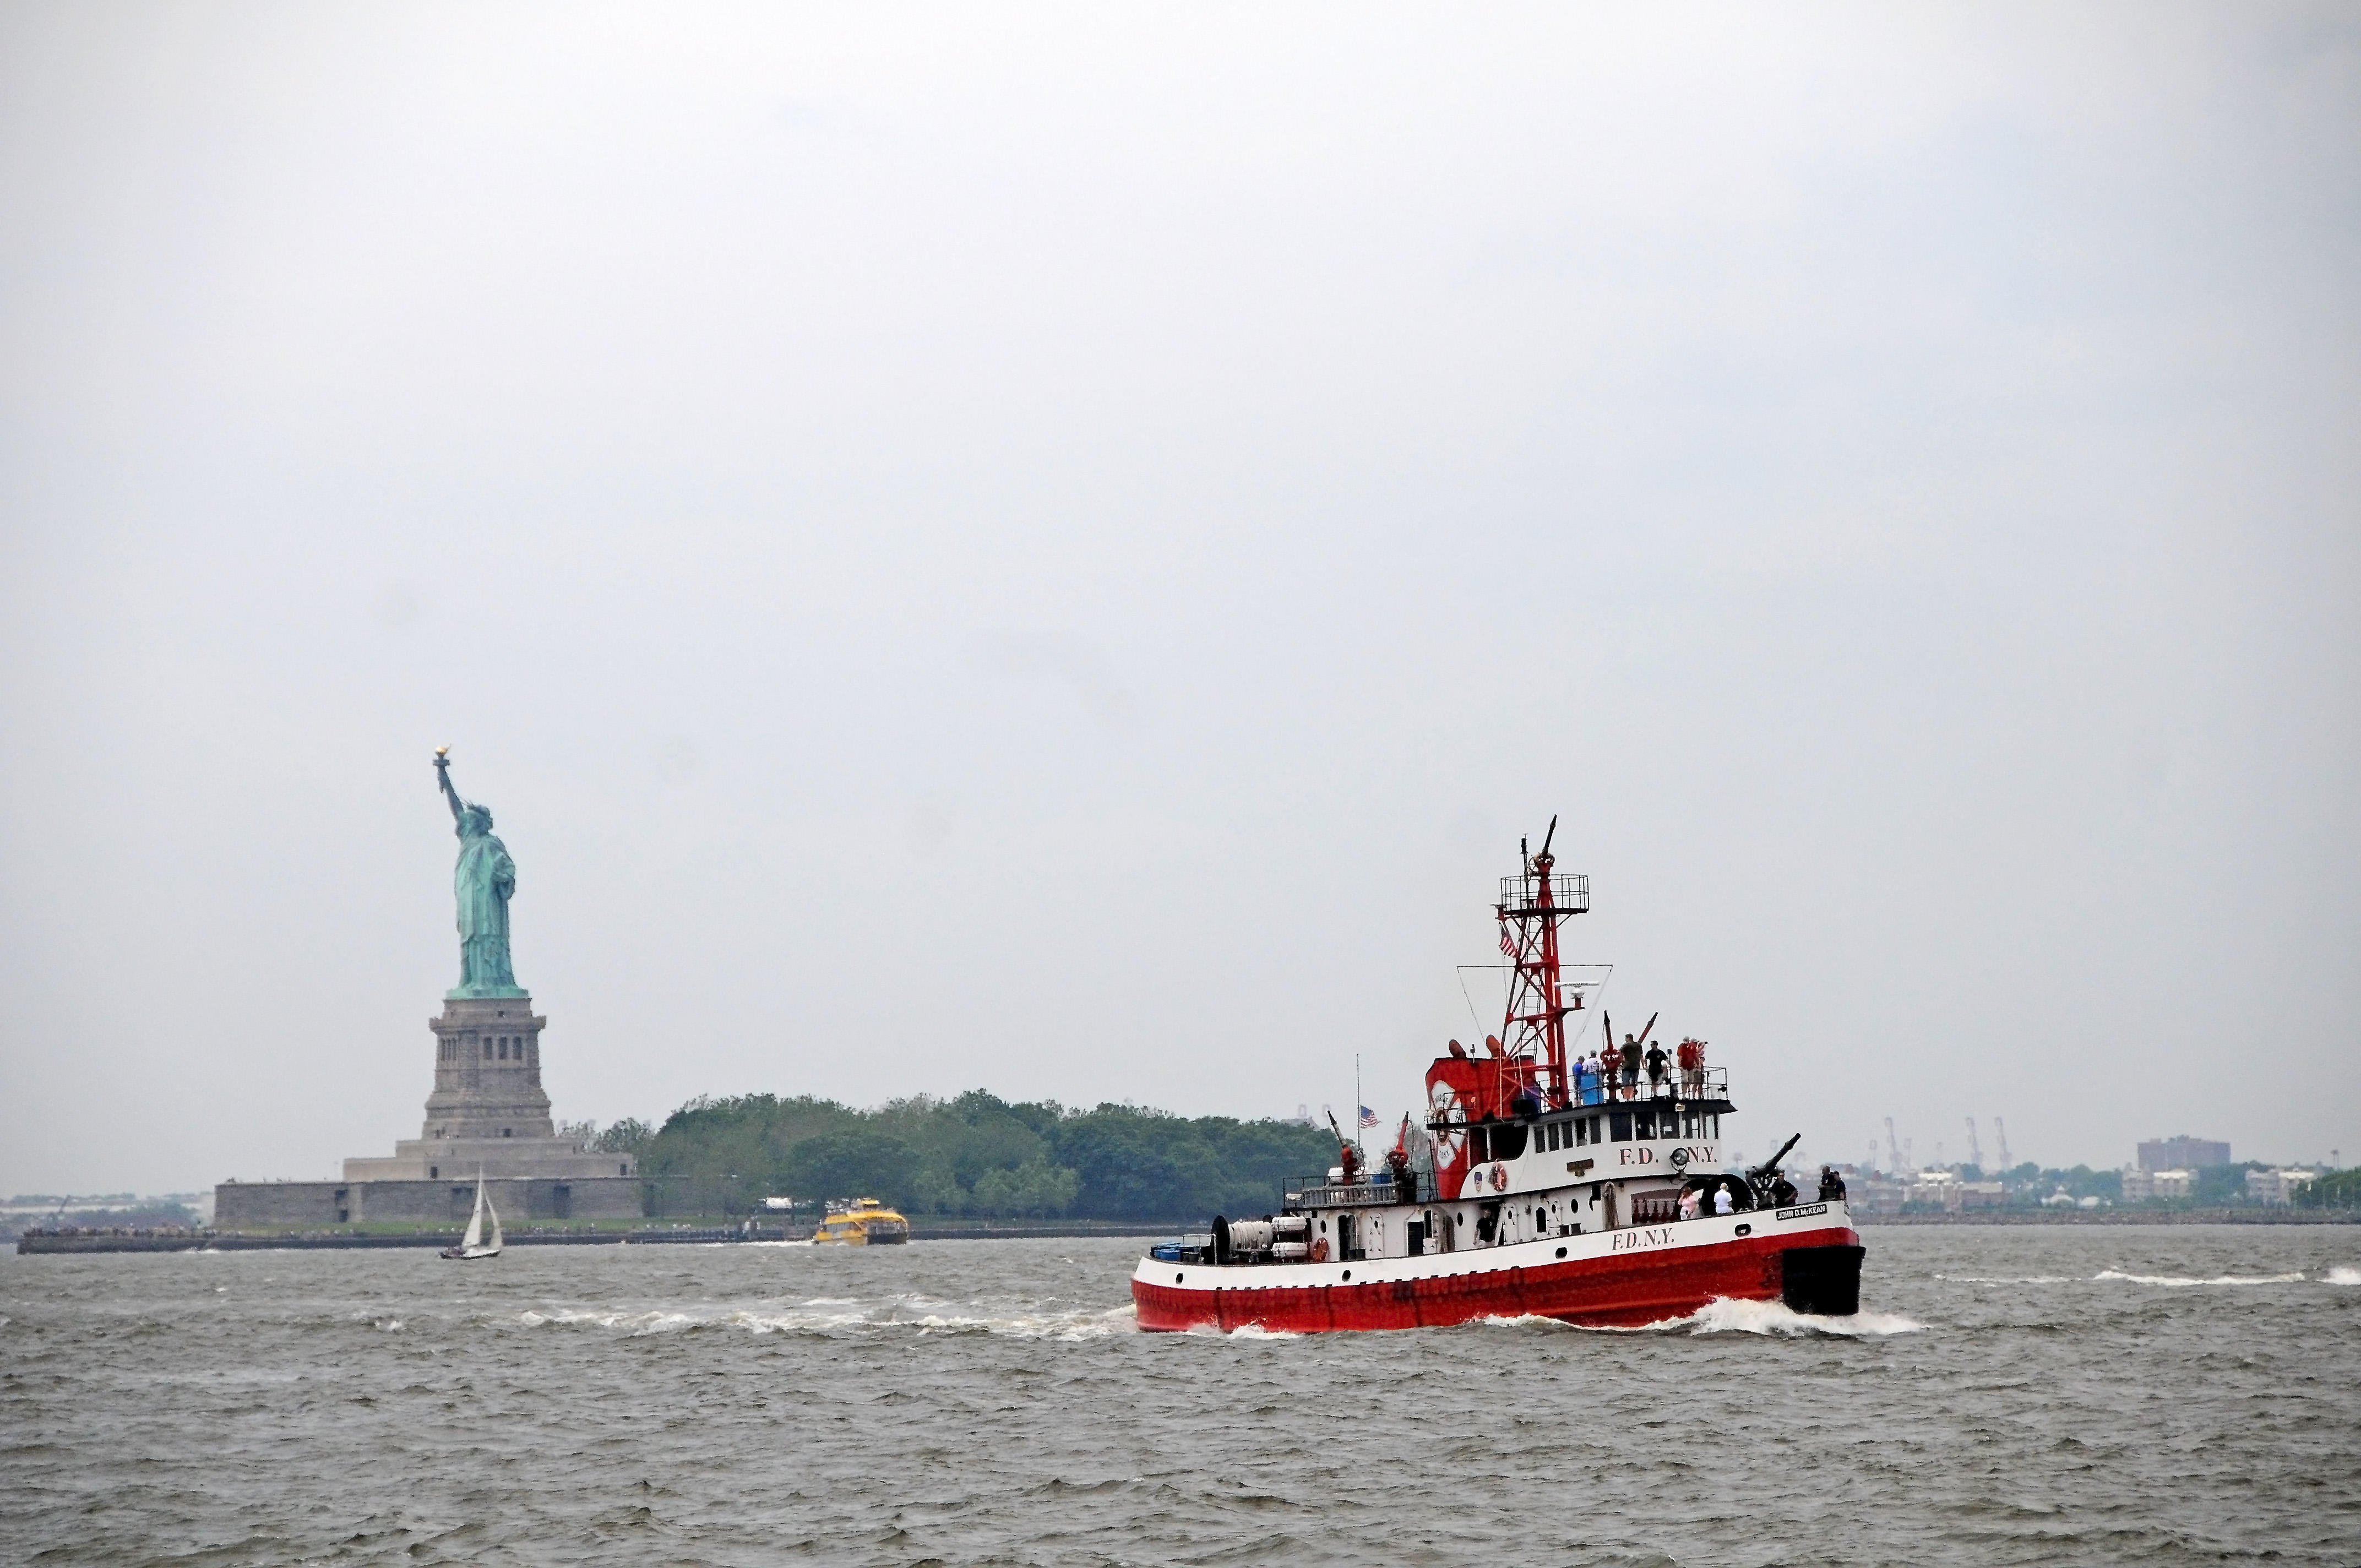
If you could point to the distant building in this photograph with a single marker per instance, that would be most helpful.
(1983, 1195)
(2182, 1153)
(2276, 1186)
(1875, 1194)
(1939, 1187)
(2143, 1184)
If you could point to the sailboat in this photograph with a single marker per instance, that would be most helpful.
(473, 1245)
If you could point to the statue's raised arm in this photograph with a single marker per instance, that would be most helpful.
(443, 777)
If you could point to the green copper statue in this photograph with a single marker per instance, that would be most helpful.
(485, 881)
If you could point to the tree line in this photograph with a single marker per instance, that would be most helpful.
(975, 1154)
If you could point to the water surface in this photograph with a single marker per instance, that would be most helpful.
(2011, 1395)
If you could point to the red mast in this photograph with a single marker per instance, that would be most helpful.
(1532, 906)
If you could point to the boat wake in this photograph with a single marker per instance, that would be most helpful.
(840, 1317)
(2340, 1275)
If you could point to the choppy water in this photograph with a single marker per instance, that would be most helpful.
(2163, 1395)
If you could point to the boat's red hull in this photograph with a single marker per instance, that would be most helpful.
(1625, 1290)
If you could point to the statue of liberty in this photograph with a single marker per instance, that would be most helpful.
(485, 881)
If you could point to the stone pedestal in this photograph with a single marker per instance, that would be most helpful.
(488, 1111)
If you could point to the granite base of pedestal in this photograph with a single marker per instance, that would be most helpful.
(243, 1205)
(439, 1160)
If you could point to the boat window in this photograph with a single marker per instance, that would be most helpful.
(1582, 1132)
(1479, 1144)
(1549, 1136)
(1643, 1125)
(1714, 1118)
(1508, 1140)
(1619, 1122)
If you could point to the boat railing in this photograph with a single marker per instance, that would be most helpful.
(1703, 1084)
(1569, 892)
(1319, 1192)
(1700, 1083)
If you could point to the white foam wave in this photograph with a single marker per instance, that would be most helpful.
(1244, 1331)
(2340, 1275)
(2004, 1279)
(2183, 1282)
(849, 1317)
(1723, 1316)
(633, 1322)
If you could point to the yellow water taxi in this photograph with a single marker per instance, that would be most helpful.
(865, 1222)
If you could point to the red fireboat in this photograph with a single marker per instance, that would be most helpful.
(1595, 1195)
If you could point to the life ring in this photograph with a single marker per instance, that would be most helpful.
(1320, 1249)
(1500, 1179)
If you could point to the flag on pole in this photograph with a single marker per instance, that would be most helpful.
(1369, 1117)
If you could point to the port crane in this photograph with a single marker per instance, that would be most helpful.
(2000, 1129)
(1975, 1146)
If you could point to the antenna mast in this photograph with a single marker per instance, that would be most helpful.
(1532, 906)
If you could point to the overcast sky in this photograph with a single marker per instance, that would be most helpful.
(1059, 549)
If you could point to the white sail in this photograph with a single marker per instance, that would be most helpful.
(475, 1236)
(493, 1250)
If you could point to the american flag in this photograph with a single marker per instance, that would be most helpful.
(1369, 1117)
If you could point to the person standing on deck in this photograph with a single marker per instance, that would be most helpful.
(1631, 1055)
(1656, 1073)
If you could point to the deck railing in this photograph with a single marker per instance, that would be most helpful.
(1319, 1192)
(1705, 1083)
